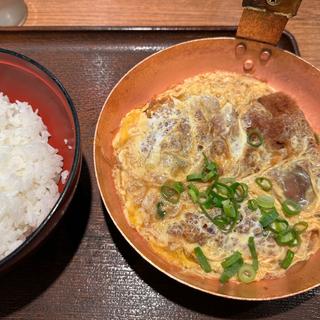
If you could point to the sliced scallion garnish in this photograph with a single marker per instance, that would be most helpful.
(246, 273)
(229, 261)
(264, 183)
(268, 217)
(288, 238)
(231, 266)
(222, 190)
(252, 205)
(300, 227)
(253, 252)
(202, 259)
(279, 225)
(254, 138)
(193, 192)
(240, 191)
(286, 262)
(265, 201)
(178, 186)
(170, 194)
(160, 212)
(229, 209)
(194, 177)
(290, 207)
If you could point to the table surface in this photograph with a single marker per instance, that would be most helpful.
(305, 26)
(33, 292)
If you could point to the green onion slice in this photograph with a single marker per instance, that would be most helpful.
(221, 222)
(194, 177)
(265, 201)
(253, 252)
(227, 180)
(252, 205)
(254, 138)
(205, 212)
(289, 238)
(202, 259)
(229, 209)
(240, 191)
(268, 218)
(222, 190)
(264, 183)
(286, 262)
(161, 213)
(170, 194)
(229, 272)
(300, 227)
(246, 273)
(229, 261)
(291, 208)
(178, 186)
(193, 192)
(279, 225)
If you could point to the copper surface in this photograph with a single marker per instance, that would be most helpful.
(288, 8)
(284, 72)
(261, 26)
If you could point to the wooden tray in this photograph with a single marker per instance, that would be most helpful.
(87, 270)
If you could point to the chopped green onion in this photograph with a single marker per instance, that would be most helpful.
(252, 205)
(222, 190)
(289, 237)
(221, 222)
(268, 218)
(178, 186)
(209, 176)
(193, 192)
(229, 261)
(286, 262)
(229, 209)
(296, 242)
(254, 138)
(205, 212)
(161, 213)
(253, 252)
(229, 272)
(246, 273)
(264, 183)
(227, 180)
(170, 194)
(265, 201)
(300, 227)
(194, 177)
(202, 259)
(291, 208)
(279, 225)
(240, 191)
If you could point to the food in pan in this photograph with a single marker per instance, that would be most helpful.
(220, 175)
(29, 170)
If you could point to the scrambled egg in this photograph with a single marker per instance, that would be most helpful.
(211, 114)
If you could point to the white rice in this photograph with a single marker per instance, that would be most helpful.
(29, 171)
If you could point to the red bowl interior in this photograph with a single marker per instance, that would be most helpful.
(25, 80)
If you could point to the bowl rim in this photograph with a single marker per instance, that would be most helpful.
(75, 163)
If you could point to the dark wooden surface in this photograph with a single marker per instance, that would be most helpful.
(86, 270)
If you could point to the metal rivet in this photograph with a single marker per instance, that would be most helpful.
(273, 2)
(265, 55)
(241, 48)
(248, 65)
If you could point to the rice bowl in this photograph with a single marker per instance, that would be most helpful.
(29, 171)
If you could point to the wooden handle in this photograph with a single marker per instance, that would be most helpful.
(265, 20)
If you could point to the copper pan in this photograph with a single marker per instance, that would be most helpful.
(244, 54)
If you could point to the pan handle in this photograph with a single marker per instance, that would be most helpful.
(265, 20)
